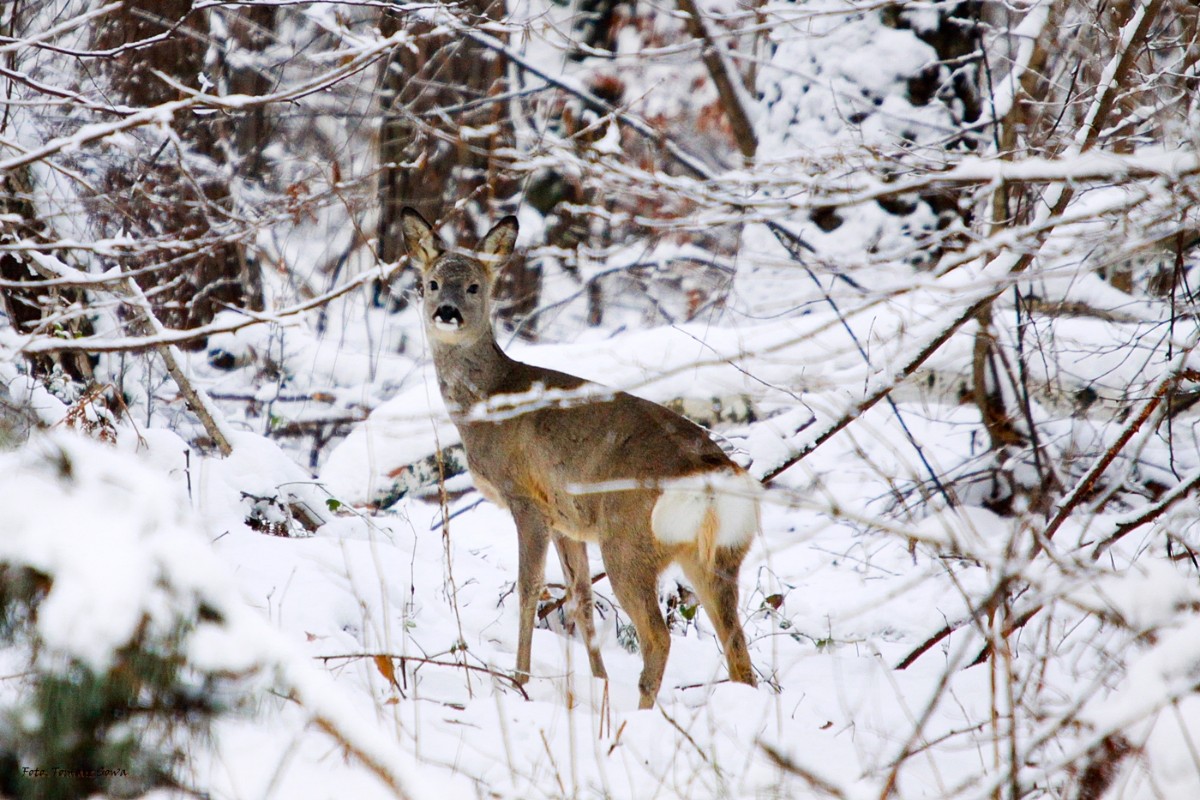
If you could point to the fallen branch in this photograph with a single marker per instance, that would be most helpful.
(210, 416)
(197, 399)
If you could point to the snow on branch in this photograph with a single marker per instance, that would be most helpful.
(1089, 167)
(157, 115)
(197, 399)
(118, 344)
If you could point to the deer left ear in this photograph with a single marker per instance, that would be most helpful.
(499, 242)
(420, 240)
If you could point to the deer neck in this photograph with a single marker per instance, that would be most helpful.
(470, 372)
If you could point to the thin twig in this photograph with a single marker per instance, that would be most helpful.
(434, 663)
(367, 759)
(683, 732)
(1088, 482)
(1149, 513)
(1010, 264)
(787, 764)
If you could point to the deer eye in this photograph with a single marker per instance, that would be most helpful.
(473, 288)
(433, 286)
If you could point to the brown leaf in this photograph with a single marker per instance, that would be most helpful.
(386, 668)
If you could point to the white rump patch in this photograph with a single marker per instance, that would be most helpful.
(712, 509)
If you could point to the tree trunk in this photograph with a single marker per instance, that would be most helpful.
(172, 192)
(27, 309)
(442, 126)
(439, 134)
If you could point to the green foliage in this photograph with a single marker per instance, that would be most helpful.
(73, 730)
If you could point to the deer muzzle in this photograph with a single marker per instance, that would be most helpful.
(447, 317)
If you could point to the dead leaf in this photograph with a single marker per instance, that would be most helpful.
(386, 668)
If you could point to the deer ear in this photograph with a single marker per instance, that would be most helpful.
(500, 240)
(420, 240)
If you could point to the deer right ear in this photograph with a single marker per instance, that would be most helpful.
(498, 244)
(420, 240)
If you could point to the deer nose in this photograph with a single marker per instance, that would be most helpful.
(447, 316)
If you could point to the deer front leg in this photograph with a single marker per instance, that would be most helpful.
(533, 535)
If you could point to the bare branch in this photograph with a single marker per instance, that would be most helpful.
(729, 84)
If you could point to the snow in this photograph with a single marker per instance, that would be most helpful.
(368, 651)
(300, 610)
(363, 585)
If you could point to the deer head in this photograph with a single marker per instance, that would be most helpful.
(456, 286)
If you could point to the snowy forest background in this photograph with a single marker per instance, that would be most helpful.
(926, 268)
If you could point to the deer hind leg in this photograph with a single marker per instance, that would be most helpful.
(633, 569)
(572, 555)
(533, 536)
(716, 584)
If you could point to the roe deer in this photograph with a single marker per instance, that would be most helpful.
(577, 463)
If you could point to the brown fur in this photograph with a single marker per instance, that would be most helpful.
(539, 461)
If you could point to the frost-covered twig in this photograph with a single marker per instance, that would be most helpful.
(156, 115)
(591, 100)
(1083, 488)
(71, 23)
(1087, 483)
(1108, 168)
(102, 344)
(1012, 262)
(1149, 513)
(321, 82)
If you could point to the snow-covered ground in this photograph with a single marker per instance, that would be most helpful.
(919, 630)
(842, 583)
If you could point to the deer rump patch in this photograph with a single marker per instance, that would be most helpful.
(711, 509)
